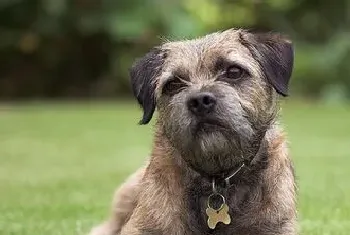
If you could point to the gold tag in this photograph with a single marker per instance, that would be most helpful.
(216, 216)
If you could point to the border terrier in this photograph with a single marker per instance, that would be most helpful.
(220, 163)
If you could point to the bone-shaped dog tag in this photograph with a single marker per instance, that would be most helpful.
(216, 216)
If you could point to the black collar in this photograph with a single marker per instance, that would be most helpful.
(227, 180)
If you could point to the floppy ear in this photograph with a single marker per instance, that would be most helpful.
(275, 55)
(143, 73)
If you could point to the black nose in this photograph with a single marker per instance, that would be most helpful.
(202, 103)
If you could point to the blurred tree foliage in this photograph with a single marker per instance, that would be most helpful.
(80, 48)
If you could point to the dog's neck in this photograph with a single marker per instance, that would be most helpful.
(169, 157)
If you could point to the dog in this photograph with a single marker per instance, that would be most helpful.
(220, 162)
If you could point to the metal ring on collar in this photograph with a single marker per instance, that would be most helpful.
(222, 204)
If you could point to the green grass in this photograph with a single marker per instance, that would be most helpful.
(60, 163)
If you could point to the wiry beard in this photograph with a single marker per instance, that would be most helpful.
(212, 152)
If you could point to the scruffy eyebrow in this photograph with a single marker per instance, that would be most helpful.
(182, 74)
(222, 63)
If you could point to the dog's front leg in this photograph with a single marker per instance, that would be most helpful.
(132, 228)
(124, 202)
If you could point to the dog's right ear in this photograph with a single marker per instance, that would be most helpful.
(143, 73)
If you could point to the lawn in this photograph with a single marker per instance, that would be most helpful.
(60, 163)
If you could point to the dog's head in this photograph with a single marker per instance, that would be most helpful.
(214, 94)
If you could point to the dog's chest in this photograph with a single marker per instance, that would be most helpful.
(196, 218)
(197, 224)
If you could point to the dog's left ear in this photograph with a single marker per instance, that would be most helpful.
(275, 55)
(143, 74)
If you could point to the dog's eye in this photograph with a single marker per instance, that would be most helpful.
(172, 87)
(234, 72)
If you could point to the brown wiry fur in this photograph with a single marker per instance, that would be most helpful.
(169, 195)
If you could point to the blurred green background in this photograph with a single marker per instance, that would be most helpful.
(83, 48)
(68, 132)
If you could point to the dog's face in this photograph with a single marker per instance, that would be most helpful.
(215, 95)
